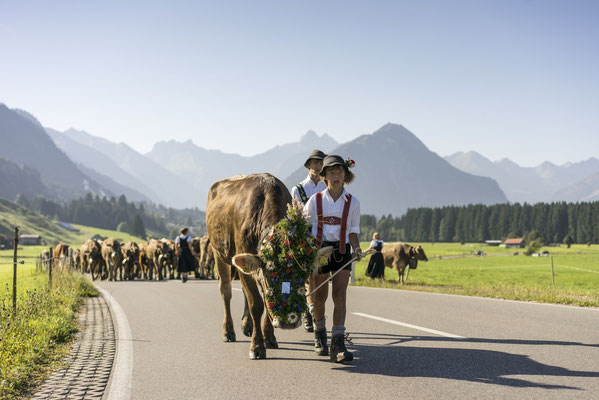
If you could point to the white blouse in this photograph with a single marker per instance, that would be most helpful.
(330, 208)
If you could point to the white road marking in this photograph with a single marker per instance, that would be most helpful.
(120, 387)
(237, 289)
(420, 328)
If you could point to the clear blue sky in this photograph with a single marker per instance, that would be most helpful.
(516, 79)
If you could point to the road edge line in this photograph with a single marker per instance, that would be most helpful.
(120, 381)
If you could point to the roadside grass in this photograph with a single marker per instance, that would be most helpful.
(576, 272)
(35, 337)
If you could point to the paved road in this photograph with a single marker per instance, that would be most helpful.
(408, 345)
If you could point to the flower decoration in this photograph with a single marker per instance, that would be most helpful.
(349, 163)
(288, 252)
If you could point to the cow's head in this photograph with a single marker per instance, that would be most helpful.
(418, 253)
(252, 264)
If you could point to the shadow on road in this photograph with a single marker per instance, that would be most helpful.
(475, 365)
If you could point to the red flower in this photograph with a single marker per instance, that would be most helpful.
(271, 305)
(287, 270)
(309, 251)
(286, 242)
(302, 245)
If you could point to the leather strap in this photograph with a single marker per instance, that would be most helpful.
(344, 224)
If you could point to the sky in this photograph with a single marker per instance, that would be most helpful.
(515, 79)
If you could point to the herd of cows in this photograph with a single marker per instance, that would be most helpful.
(110, 259)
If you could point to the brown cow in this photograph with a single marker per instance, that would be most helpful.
(145, 265)
(45, 259)
(196, 250)
(170, 259)
(91, 258)
(399, 255)
(76, 257)
(130, 252)
(239, 213)
(156, 252)
(204, 256)
(111, 253)
(61, 255)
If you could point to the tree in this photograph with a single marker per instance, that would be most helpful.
(123, 227)
(568, 240)
(137, 227)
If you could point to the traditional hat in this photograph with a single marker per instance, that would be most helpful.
(330, 161)
(316, 154)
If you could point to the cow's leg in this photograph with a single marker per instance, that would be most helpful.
(269, 332)
(256, 307)
(407, 272)
(246, 320)
(225, 289)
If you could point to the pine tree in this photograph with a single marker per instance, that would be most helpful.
(137, 227)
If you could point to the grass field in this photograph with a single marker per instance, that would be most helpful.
(500, 274)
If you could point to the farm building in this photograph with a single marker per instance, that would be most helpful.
(30, 240)
(493, 242)
(68, 226)
(515, 243)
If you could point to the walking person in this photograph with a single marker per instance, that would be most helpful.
(335, 218)
(302, 192)
(186, 261)
(376, 264)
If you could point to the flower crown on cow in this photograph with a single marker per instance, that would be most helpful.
(288, 252)
(349, 163)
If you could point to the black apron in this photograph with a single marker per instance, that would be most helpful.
(376, 264)
(186, 261)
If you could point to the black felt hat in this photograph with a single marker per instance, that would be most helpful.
(330, 161)
(316, 155)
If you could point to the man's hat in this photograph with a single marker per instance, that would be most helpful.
(316, 154)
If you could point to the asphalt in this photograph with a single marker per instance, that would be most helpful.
(406, 344)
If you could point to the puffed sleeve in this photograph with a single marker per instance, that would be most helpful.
(355, 217)
(310, 212)
(295, 194)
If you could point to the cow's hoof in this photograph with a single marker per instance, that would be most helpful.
(271, 343)
(229, 337)
(247, 327)
(258, 354)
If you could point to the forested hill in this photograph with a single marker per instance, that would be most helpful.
(552, 222)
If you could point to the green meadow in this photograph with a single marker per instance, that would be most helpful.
(452, 268)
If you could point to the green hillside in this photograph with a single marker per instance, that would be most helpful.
(29, 222)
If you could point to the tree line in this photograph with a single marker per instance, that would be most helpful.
(550, 222)
(118, 214)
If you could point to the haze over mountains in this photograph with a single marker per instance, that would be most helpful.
(546, 182)
(395, 170)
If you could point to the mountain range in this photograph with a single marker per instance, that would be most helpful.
(395, 170)
(546, 182)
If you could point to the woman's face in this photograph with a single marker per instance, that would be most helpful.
(335, 176)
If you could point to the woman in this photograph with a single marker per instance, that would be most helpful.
(338, 226)
(376, 264)
(183, 250)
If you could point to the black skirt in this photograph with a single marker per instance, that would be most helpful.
(186, 261)
(376, 266)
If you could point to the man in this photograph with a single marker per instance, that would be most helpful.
(302, 192)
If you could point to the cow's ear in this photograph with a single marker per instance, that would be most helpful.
(247, 263)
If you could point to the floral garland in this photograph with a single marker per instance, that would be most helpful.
(289, 253)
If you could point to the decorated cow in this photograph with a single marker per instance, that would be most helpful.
(251, 228)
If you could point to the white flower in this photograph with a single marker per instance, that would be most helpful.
(270, 292)
(301, 290)
(270, 266)
(292, 318)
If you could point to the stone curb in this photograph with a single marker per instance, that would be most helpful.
(90, 360)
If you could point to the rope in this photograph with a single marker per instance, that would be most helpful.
(367, 252)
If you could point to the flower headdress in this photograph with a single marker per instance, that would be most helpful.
(349, 163)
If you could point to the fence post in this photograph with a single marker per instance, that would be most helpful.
(14, 271)
(552, 274)
(51, 260)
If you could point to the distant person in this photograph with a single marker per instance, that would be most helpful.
(302, 193)
(183, 250)
(376, 264)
